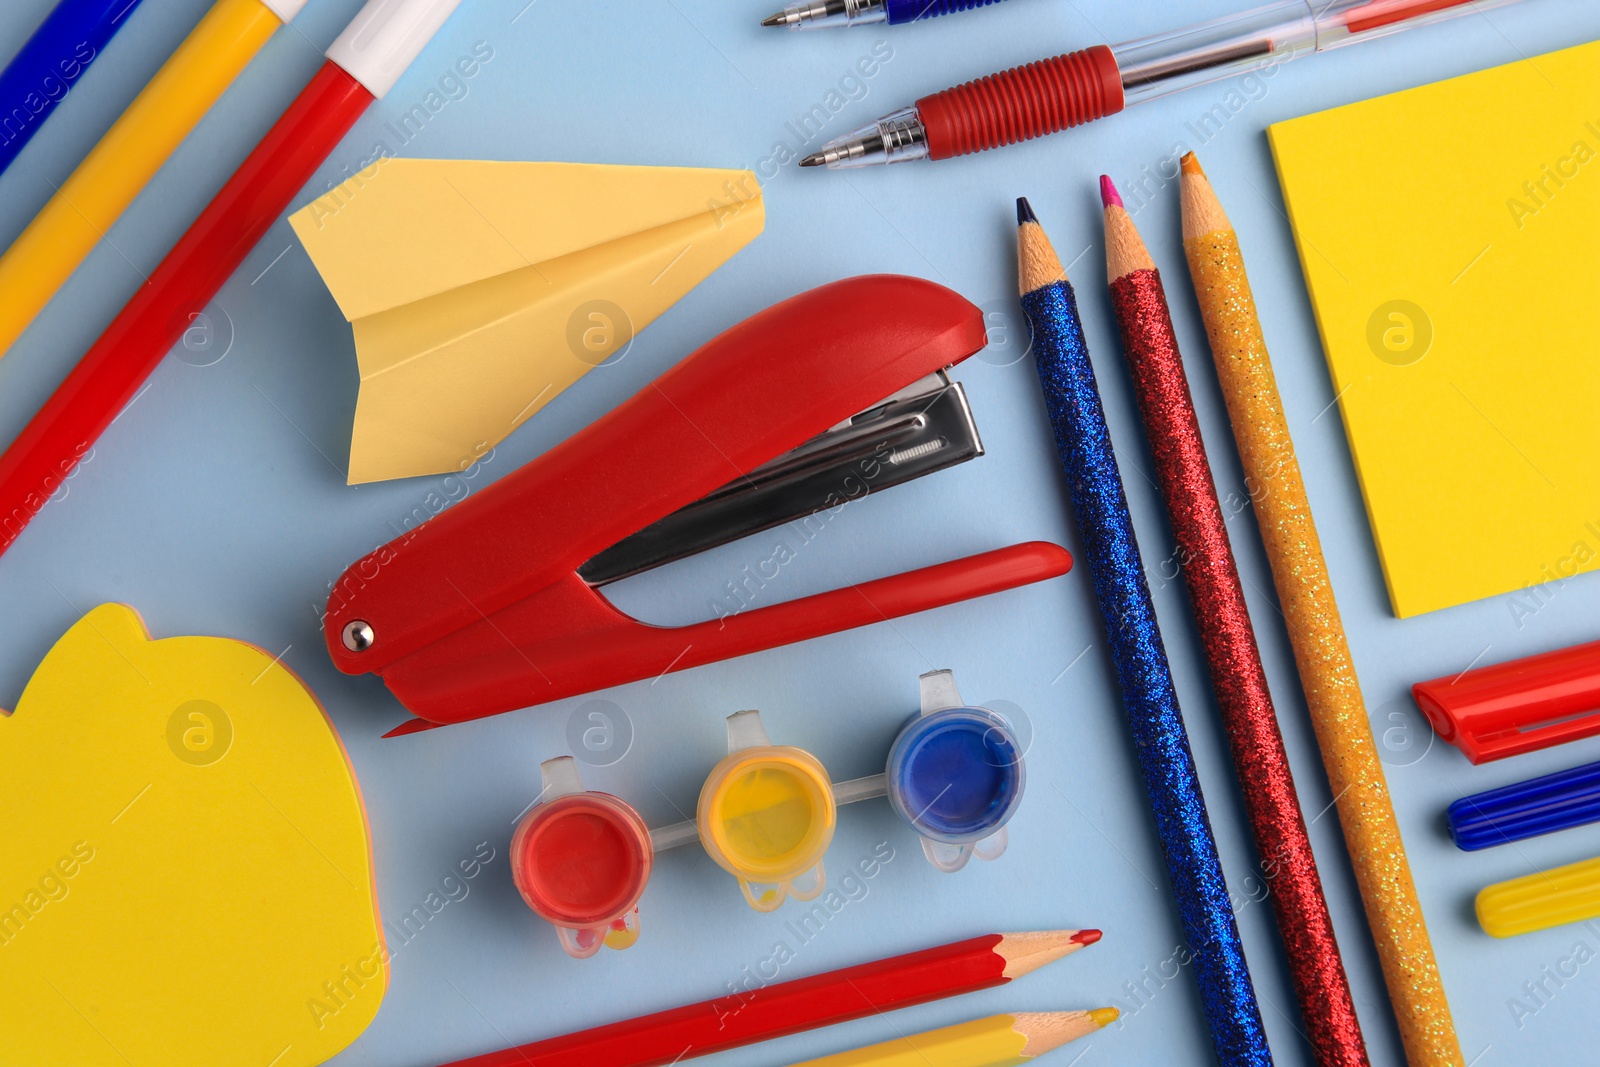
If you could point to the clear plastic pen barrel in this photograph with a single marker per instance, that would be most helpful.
(1170, 62)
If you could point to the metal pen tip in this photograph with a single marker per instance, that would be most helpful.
(815, 159)
(780, 19)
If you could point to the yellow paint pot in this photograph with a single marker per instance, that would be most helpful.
(767, 815)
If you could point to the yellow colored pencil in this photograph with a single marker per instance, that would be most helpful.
(998, 1041)
(1321, 652)
(95, 195)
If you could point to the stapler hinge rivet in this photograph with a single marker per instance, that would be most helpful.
(358, 635)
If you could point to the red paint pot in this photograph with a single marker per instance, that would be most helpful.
(581, 861)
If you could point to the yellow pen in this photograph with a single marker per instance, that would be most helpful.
(84, 207)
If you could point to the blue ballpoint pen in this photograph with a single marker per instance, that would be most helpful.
(60, 50)
(815, 14)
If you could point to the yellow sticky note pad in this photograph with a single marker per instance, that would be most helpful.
(478, 291)
(1450, 238)
(186, 876)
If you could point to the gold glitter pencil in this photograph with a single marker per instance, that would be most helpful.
(1321, 652)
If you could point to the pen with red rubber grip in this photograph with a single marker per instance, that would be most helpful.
(1069, 90)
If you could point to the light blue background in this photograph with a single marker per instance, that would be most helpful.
(217, 505)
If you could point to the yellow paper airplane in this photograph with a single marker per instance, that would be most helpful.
(479, 291)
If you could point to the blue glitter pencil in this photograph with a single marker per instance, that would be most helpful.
(1084, 442)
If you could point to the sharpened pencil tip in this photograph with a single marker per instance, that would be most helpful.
(1104, 1017)
(1025, 211)
(1086, 937)
(1190, 164)
(1108, 192)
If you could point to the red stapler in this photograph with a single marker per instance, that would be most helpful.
(840, 391)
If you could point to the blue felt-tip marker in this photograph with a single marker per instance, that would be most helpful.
(71, 37)
(815, 14)
(1544, 805)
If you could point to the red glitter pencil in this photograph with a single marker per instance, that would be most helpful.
(1237, 676)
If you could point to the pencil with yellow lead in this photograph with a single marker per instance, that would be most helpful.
(772, 1011)
(998, 1041)
(1321, 652)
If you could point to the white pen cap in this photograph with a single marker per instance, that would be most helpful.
(384, 37)
(284, 9)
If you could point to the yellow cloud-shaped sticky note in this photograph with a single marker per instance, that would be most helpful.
(186, 876)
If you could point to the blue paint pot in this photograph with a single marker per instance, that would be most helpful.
(956, 776)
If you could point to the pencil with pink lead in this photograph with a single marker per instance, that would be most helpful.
(1237, 677)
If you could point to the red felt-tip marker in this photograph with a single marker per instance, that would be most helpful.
(363, 64)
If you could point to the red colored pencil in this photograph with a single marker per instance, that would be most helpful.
(363, 63)
(766, 1012)
(1217, 597)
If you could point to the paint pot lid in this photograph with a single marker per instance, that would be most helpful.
(582, 859)
(767, 814)
(956, 775)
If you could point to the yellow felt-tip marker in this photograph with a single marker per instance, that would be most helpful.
(998, 1041)
(1539, 901)
(84, 207)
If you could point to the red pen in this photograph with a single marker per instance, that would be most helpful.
(1069, 90)
(362, 65)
